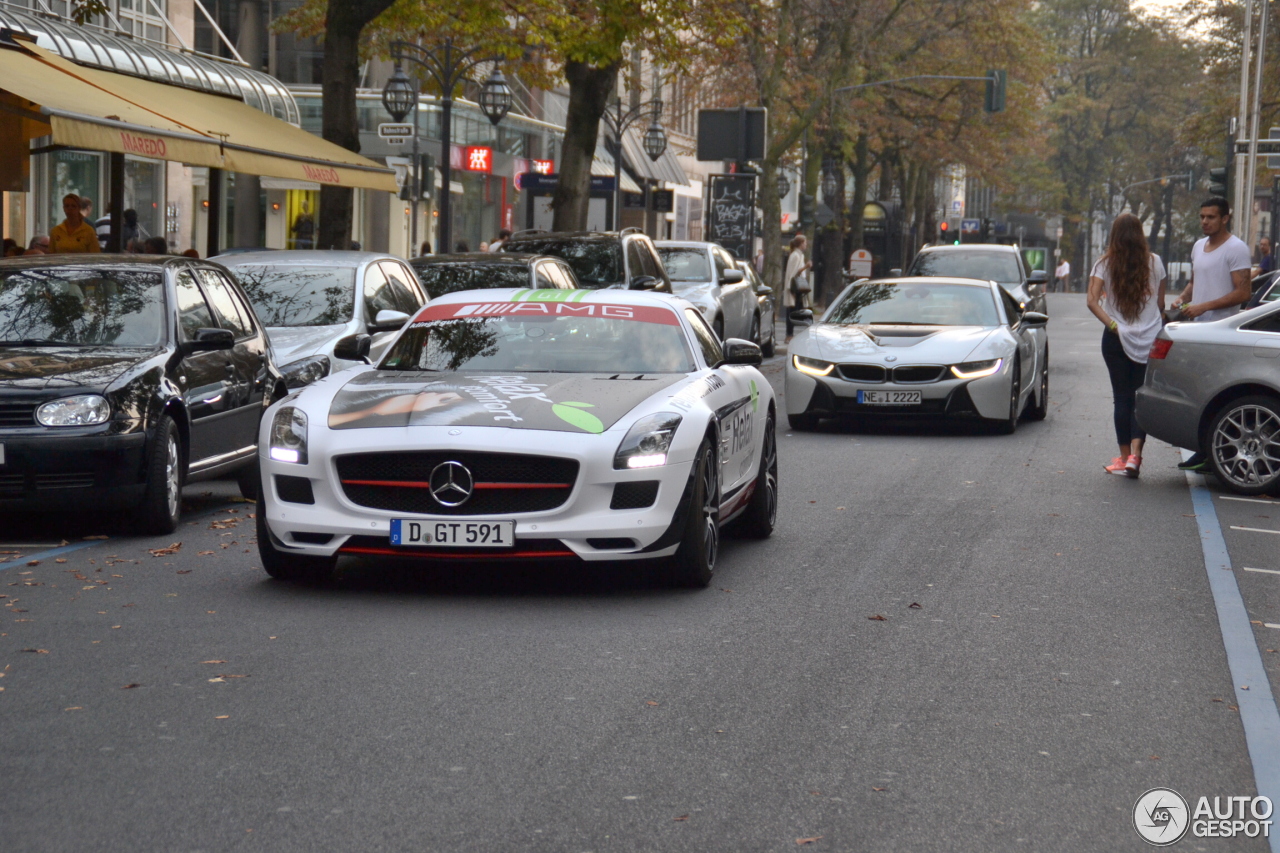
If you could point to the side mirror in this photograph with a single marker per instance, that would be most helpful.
(1034, 319)
(802, 317)
(732, 276)
(388, 320)
(353, 348)
(764, 290)
(895, 272)
(1037, 277)
(738, 351)
(643, 282)
(208, 340)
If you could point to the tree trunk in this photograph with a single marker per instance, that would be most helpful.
(590, 89)
(340, 74)
(861, 168)
(771, 225)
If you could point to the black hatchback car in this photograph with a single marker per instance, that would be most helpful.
(623, 259)
(441, 274)
(122, 377)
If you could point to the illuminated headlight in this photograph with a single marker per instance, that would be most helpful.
(84, 410)
(647, 442)
(812, 366)
(976, 369)
(305, 371)
(289, 436)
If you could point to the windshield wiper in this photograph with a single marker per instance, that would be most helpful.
(41, 342)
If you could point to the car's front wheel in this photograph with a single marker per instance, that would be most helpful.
(1244, 445)
(284, 566)
(803, 422)
(1038, 411)
(1008, 425)
(694, 562)
(762, 511)
(162, 502)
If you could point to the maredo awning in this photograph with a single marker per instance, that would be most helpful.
(42, 94)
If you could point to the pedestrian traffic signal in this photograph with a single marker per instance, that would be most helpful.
(426, 176)
(1219, 180)
(808, 209)
(997, 81)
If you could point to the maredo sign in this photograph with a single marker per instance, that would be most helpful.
(321, 175)
(147, 146)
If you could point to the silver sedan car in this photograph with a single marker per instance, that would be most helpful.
(322, 309)
(1215, 387)
(707, 275)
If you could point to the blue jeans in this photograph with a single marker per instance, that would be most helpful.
(1127, 376)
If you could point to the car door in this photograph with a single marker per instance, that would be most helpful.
(248, 356)
(380, 294)
(1028, 339)
(204, 377)
(735, 402)
(733, 297)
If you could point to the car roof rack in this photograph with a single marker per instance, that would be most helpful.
(530, 231)
(630, 229)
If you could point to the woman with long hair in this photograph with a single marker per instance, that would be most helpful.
(793, 297)
(1126, 292)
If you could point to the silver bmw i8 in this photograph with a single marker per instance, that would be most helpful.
(948, 347)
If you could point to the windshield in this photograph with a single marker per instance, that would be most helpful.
(1000, 267)
(442, 278)
(82, 306)
(295, 295)
(686, 264)
(595, 263)
(916, 304)
(556, 337)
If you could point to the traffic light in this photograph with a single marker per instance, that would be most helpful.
(426, 176)
(1219, 180)
(808, 209)
(943, 231)
(997, 81)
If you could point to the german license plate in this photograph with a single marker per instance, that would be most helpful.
(889, 398)
(453, 534)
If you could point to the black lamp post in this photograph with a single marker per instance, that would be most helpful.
(448, 65)
(655, 142)
(830, 182)
(784, 185)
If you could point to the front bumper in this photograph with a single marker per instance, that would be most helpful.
(568, 530)
(89, 468)
(832, 395)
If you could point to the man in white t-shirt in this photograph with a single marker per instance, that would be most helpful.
(1062, 276)
(1220, 264)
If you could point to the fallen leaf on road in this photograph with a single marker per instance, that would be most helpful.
(726, 590)
(813, 502)
(879, 789)
(165, 552)
(225, 675)
(1244, 687)
(61, 560)
(915, 605)
(839, 508)
(1188, 515)
(993, 616)
(650, 702)
(217, 680)
(1155, 758)
(130, 686)
(815, 793)
(682, 817)
(206, 553)
(223, 717)
(1232, 708)
(1215, 700)
(877, 618)
(184, 571)
(87, 538)
(33, 562)
(800, 842)
(211, 611)
(115, 626)
(1255, 621)
(212, 661)
(36, 651)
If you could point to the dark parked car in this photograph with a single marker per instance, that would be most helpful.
(620, 259)
(441, 274)
(124, 376)
(989, 262)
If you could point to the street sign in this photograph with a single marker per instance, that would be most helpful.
(1265, 146)
(972, 226)
(860, 263)
(1273, 162)
(395, 133)
(823, 215)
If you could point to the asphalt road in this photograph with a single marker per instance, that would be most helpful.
(1049, 650)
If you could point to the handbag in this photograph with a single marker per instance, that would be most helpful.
(800, 284)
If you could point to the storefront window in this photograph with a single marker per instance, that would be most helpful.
(144, 193)
(301, 216)
(76, 172)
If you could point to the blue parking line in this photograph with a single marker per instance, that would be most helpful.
(51, 553)
(1257, 704)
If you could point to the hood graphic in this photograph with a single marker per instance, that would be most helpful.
(562, 402)
(41, 367)
(925, 344)
(291, 343)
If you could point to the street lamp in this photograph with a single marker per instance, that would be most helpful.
(784, 185)
(830, 183)
(449, 65)
(399, 95)
(655, 142)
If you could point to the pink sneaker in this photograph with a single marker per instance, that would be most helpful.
(1132, 466)
(1117, 466)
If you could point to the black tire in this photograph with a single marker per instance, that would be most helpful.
(161, 506)
(768, 349)
(1040, 411)
(718, 326)
(762, 511)
(1009, 425)
(1244, 445)
(249, 481)
(803, 422)
(284, 566)
(754, 337)
(694, 563)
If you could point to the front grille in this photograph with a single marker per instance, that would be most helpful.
(532, 549)
(77, 480)
(295, 490)
(919, 373)
(12, 483)
(636, 495)
(618, 544)
(862, 372)
(310, 538)
(17, 414)
(505, 483)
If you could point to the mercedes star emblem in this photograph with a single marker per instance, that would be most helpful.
(451, 483)
(890, 358)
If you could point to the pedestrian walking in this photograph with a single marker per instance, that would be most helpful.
(1220, 267)
(503, 236)
(759, 261)
(1062, 277)
(73, 234)
(1126, 292)
(1266, 259)
(425, 249)
(795, 281)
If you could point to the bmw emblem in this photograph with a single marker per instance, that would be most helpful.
(890, 358)
(451, 484)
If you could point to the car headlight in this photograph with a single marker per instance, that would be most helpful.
(812, 366)
(647, 442)
(976, 369)
(81, 410)
(289, 435)
(304, 371)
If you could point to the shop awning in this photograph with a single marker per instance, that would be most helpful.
(665, 168)
(43, 94)
(602, 167)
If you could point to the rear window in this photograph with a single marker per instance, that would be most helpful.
(685, 264)
(442, 278)
(595, 263)
(296, 295)
(1001, 267)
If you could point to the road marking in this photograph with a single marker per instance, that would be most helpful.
(1268, 571)
(1255, 529)
(52, 552)
(1271, 625)
(1258, 712)
(1246, 500)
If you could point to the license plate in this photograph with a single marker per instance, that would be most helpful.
(889, 398)
(453, 534)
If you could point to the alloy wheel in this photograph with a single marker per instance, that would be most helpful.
(771, 472)
(711, 508)
(1246, 445)
(172, 481)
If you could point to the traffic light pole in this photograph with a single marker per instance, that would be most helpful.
(995, 81)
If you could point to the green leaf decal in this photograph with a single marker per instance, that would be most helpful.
(571, 413)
